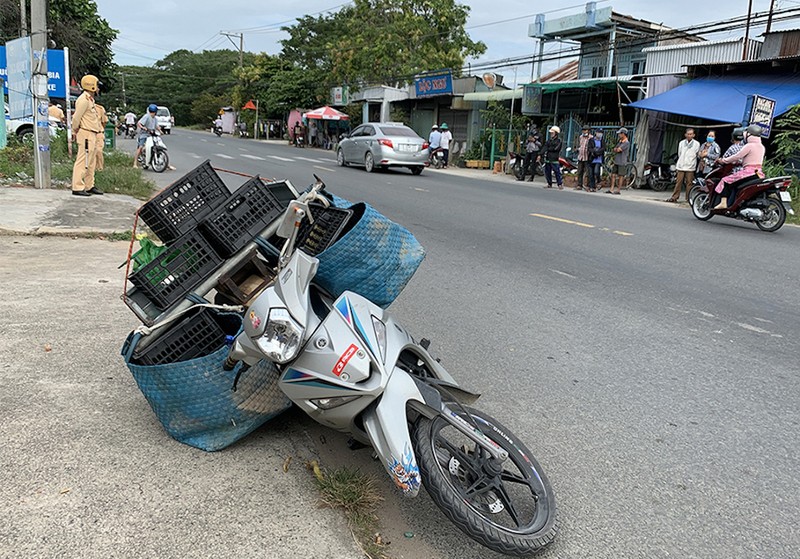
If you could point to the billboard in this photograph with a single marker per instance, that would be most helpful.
(18, 77)
(434, 84)
(760, 110)
(532, 99)
(56, 71)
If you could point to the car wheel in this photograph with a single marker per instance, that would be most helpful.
(369, 162)
(26, 136)
(340, 158)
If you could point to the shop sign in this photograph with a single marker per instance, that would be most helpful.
(434, 84)
(760, 110)
(531, 99)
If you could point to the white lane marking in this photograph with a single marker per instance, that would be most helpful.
(559, 272)
(324, 168)
(220, 144)
(203, 140)
(706, 314)
(243, 149)
(248, 156)
(764, 320)
(312, 160)
(194, 155)
(223, 156)
(752, 328)
(420, 189)
(279, 158)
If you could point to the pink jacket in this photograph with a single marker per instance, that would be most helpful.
(752, 154)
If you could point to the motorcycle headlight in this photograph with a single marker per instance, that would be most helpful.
(282, 337)
(380, 335)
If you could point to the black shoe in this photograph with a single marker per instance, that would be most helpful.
(95, 190)
(80, 193)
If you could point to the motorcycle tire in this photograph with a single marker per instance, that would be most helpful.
(160, 161)
(695, 190)
(539, 168)
(519, 172)
(659, 185)
(454, 472)
(701, 207)
(777, 214)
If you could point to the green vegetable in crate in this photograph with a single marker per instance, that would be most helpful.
(148, 251)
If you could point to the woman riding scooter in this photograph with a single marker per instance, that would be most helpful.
(751, 157)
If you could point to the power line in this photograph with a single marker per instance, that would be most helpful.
(276, 26)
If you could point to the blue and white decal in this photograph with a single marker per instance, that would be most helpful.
(345, 308)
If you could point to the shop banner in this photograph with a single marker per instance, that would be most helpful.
(531, 99)
(760, 110)
(56, 74)
(435, 84)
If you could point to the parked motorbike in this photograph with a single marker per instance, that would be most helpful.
(660, 176)
(300, 140)
(516, 162)
(436, 158)
(351, 366)
(154, 155)
(762, 201)
(568, 166)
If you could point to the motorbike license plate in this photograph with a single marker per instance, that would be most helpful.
(785, 196)
(646, 172)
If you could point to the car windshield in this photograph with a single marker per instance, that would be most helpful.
(162, 112)
(399, 131)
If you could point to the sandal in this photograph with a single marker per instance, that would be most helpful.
(616, 193)
(671, 201)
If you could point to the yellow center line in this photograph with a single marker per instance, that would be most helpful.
(579, 224)
(562, 220)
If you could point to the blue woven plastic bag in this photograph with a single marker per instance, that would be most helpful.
(376, 258)
(194, 402)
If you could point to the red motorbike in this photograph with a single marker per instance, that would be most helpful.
(762, 201)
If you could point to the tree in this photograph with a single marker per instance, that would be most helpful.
(381, 41)
(74, 24)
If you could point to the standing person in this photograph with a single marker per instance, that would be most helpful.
(709, 152)
(688, 151)
(146, 125)
(619, 165)
(582, 146)
(85, 127)
(552, 151)
(312, 133)
(445, 140)
(56, 114)
(101, 137)
(532, 148)
(597, 151)
(434, 140)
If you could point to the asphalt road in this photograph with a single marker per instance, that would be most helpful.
(647, 359)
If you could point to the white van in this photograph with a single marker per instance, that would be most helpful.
(165, 120)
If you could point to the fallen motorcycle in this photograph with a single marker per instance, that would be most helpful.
(351, 366)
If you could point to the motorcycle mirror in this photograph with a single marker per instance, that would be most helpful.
(295, 211)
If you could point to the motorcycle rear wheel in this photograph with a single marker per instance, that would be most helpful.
(774, 216)
(511, 511)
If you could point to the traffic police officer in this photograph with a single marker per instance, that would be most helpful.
(86, 127)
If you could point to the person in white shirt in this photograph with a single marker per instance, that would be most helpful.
(130, 118)
(444, 142)
(688, 152)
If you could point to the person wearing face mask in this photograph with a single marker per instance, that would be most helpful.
(551, 151)
(751, 157)
(709, 153)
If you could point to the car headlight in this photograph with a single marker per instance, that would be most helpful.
(282, 337)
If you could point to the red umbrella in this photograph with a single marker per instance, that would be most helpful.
(326, 113)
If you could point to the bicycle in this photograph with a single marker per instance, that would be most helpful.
(631, 174)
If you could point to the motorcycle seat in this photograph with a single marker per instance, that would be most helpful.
(747, 181)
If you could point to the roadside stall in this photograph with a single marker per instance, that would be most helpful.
(328, 123)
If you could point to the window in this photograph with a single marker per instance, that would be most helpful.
(637, 67)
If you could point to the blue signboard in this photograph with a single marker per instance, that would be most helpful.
(18, 78)
(56, 74)
(434, 84)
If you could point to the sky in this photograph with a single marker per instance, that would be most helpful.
(501, 24)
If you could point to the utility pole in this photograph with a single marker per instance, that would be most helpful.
(23, 21)
(241, 44)
(41, 116)
(769, 18)
(747, 30)
(124, 99)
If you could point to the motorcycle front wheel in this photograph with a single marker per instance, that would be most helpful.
(160, 161)
(507, 506)
(701, 207)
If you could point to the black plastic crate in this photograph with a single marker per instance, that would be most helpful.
(313, 238)
(180, 207)
(177, 270)
(241, 217)
(200, 333)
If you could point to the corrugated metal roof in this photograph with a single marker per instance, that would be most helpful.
(567, 72)
(792, 58)
(680, 46)
(547, 87)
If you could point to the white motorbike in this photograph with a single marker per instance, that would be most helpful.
(351, 366)
(154, 155)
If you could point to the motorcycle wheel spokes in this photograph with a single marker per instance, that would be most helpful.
(507, 506)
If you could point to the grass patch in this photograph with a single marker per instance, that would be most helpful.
(354, 493)
(773, 169)
(118, 176)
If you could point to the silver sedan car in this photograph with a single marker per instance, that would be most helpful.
(382, 145)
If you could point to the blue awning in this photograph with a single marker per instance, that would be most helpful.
(724, 99)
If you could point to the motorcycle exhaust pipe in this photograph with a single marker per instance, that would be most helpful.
(752, 213)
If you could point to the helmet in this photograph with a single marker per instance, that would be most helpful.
(754, 130)
(152, 108)
(90, 83)
(738, 133)
(622, 130)
(443, 126)
(434, 127)
(555, 129)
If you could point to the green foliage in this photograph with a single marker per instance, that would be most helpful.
(206, 107)
(74, 24)
(787, 151)
(381, 41)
